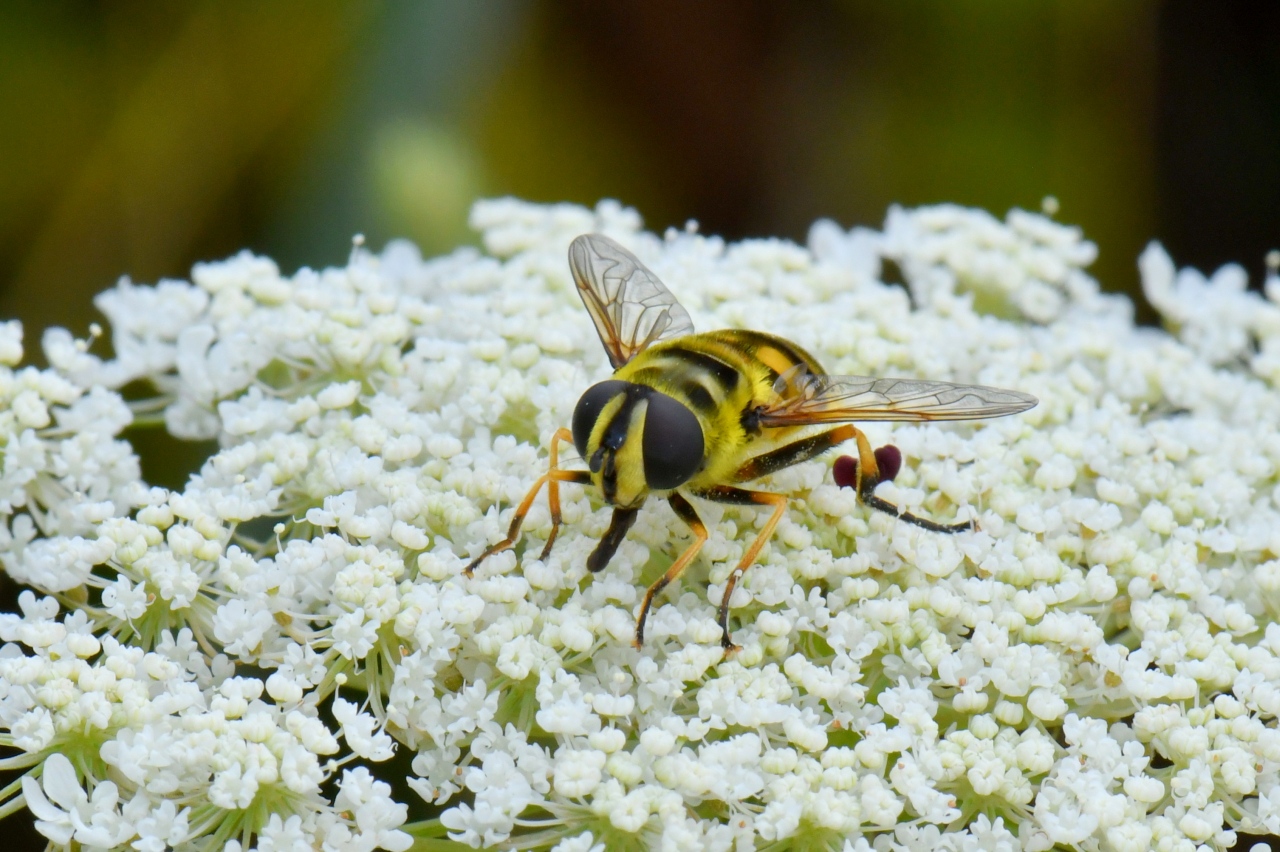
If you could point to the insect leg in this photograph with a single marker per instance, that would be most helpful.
(619, 525)
(742, 497)
(869, 477)
(794, 453)
(554, 476)
(690, 517)
(553, 489)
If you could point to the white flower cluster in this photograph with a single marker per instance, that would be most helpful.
(1098, 668)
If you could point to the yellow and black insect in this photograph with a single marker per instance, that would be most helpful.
(702, 413)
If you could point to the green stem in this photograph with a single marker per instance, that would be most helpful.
(426, 828)
(12, 806)
(19, 761)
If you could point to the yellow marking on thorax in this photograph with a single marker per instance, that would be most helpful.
(774, 359)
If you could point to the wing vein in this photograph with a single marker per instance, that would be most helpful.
(629, 305)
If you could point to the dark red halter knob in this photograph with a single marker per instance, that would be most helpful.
(845, 472)
(888, 460)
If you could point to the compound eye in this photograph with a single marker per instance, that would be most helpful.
(588, 410)
(673, 445)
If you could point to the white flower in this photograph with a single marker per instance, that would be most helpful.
(11, 343)
(1217, 317)
(584, 842)
(377, 819)
(353, 636)
(578, 772)
(284, 835)
(124, 600)
(241, 627)
(1088, 669)
(93, 821)
(358, 731)
(164, 827)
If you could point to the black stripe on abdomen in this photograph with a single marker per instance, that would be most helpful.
(696, 394)
(723, 374)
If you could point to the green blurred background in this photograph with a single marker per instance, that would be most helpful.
(140, 137)
(137, 138)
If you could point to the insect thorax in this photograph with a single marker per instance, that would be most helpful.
(722, 377)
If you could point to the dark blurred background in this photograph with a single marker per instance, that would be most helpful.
(141, 137)
(137, 138)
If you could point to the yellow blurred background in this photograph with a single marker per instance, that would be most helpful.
(141, 137)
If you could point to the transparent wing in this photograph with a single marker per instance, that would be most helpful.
(805, 398)
(629, 305)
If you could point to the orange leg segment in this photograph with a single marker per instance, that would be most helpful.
(690, 517)
(553, 488)
(740, 496)
(868, 477)
(552, 479)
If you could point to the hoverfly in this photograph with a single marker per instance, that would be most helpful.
(702, 413)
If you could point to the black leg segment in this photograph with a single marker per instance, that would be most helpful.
(794, 453)
(613, 537)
